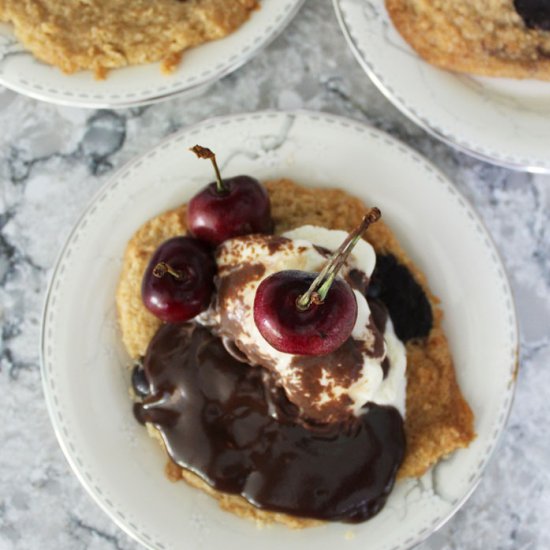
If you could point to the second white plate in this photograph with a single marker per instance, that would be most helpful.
(499, 120)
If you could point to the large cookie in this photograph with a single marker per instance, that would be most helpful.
(485, 37)
(438, 419)
(105, 34)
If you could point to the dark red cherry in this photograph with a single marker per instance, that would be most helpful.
(228, 208)
(308, 313)
(316, 330)
(179, 280)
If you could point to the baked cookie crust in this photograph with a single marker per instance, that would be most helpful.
(106, 34)
(438, 419)
(484, 37)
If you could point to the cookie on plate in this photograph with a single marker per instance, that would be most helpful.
(438, 419)
(506, 38)
(102, 35)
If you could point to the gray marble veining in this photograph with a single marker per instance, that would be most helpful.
(52, 159)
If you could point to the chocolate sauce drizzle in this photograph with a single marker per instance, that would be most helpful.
(234, 427)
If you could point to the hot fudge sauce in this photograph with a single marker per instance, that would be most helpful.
(247, 430)
(233, 426)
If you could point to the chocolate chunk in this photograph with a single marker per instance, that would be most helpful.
(408, 306)
(535, 13)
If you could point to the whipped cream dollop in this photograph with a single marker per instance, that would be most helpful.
(368, 367)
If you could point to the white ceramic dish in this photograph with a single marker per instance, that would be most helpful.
(499, 120)
(83, 361)
(138, 85)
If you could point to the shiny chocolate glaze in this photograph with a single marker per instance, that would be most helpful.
(535, 13)
(234, 427)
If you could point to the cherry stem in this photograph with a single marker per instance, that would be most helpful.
(319, 288)
(205, 153)
(162, 268)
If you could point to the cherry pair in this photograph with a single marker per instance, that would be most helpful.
(179, 280)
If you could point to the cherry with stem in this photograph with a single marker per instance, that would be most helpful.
(205, 153)
(162, 268)
(318, 290)
(229, 207)
(178, 283)
(307, 313)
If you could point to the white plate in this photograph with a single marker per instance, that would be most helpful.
(137, 85)
(83, 361)
(495, 119)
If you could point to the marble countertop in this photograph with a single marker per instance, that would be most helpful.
(52, 160)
